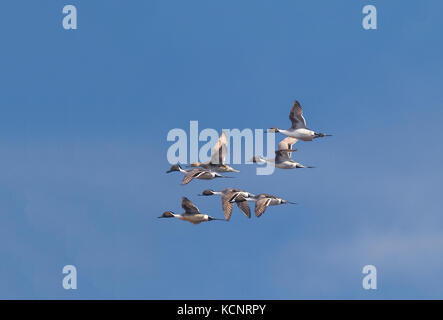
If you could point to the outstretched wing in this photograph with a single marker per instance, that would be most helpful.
(219, 151)
(189, 207)
(227, 206)
(296, 116)
(261, 205)
(244, 207)
(191, 175)
(286, 144)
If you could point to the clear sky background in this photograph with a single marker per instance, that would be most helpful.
(83, 125)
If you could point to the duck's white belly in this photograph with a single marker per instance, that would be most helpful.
(301, 134)
(274, 202)
(286, 165)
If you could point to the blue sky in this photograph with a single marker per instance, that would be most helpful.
(84, 119)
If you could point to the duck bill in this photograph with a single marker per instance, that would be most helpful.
(211, 218)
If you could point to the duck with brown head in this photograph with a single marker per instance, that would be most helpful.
(282, 159)
(298, 129)
(264, 200)
(197, 173)
(229, 197)
(192, 214)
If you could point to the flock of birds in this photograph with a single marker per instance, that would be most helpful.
(211, 170)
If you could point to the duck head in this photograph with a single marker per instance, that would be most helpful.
(167, 214)
(207, 192)
(175, 167)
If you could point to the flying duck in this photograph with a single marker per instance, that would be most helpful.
(197, 173)
(264, 200)
(191, 214)
(218, 157)
(282, 157)
(298, 129)
(229, 196)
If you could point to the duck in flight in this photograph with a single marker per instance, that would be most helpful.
(218, 157)
(196, 173)
(282, 158)
(264, 200)
(230, 196)
(298, 129)
(191, 214)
